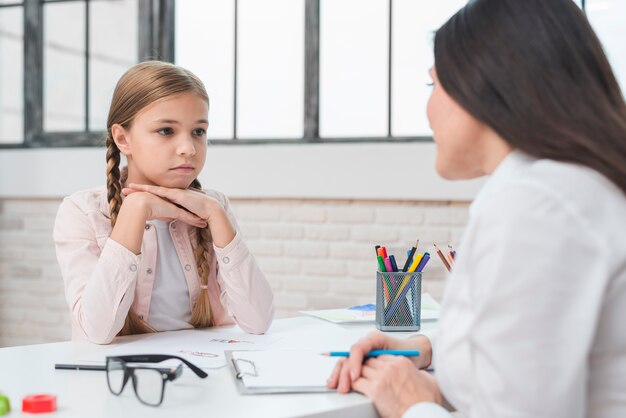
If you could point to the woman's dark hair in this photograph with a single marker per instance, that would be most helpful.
(535, 72)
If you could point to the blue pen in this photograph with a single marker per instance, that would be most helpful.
(375, 353)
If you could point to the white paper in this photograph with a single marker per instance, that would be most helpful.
(429, 311)
(204, 348)
(285, 369)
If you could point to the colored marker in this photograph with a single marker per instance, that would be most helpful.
(392, 260)
(422, 263)
(415, 263)
(383, 269)
(405, 281)
(381, 264)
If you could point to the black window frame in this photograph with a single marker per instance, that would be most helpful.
(156, 40)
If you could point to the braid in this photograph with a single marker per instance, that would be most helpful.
(114, 187)
(132, 324)
(201, 315)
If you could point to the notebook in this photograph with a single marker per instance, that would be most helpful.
(280, 371)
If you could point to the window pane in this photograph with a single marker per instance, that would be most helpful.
(607, 19)
(64, 66)
(413, 30)
(270, 80)
(205, 45)
(112, 50)
(11, 75)
(354, 38)
(11, 2)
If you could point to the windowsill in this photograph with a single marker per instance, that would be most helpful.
(369, 171)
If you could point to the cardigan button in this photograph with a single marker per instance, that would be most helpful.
(149, 271)
(187, 267)
(147, 227)
(226, 260)
(133, 267)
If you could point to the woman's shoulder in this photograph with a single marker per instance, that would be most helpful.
(566, 194)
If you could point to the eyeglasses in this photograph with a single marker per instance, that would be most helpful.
(148, 382)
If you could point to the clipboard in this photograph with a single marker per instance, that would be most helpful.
(279, 371)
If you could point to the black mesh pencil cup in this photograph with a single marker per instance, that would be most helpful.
(398, 299)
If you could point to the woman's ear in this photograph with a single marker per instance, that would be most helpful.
(120, 137)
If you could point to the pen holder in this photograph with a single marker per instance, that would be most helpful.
(398, 300)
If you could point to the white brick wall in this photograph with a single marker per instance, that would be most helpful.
(315, 254)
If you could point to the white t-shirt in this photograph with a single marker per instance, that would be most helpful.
(170, 306)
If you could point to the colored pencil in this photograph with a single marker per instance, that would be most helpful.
(443, 257)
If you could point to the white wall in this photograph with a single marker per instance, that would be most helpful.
(397, 171)
(316, 254)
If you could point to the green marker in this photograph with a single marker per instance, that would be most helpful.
(5, 405)
(381, 264)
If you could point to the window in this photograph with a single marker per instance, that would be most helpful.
(607, 19)
(75, 51)
(251, 60)
(11, 72)
(87, 47)
(375, 56)
(319, 70)
(286, 71)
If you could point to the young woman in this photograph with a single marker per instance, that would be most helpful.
(152, 251)
(533, 317)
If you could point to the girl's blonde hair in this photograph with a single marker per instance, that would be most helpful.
(142, 85)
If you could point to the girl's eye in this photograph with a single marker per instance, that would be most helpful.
(165, 131)
(199, 132)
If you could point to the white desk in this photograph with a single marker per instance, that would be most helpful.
(30, 369)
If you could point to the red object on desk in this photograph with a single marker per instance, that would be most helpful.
(39, 403)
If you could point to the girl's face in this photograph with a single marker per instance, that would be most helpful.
(466, 147)
(166, 143)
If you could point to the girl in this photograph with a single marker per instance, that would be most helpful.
(532, 320)
(152, 251)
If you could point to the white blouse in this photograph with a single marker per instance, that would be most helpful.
(533, 319)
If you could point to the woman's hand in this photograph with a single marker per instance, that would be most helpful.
(394, 385)
(196, 203)
(349, 370)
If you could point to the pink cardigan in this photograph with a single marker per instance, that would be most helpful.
(103, 279)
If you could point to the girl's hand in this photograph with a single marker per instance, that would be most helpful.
(197, 203)
(347, 371)
(394, 385)
(194, 201)
(158, 208)
(138, 208)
